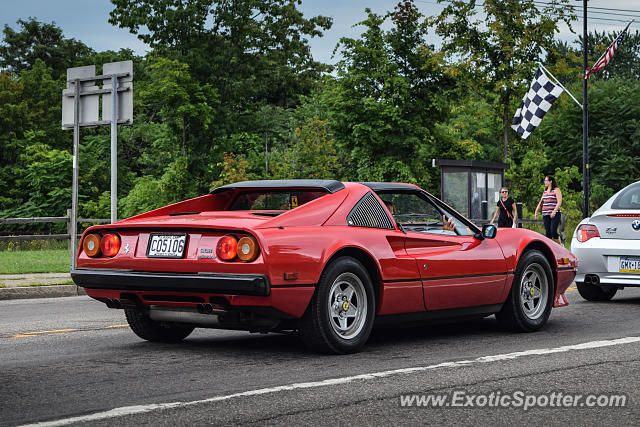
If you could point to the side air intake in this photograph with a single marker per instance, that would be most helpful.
(368, 212)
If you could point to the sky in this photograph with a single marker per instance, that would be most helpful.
(87, 20)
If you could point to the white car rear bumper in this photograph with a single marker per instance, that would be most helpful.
(602, 258)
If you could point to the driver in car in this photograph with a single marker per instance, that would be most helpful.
(447, 225)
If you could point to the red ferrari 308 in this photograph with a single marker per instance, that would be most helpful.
(323, 258)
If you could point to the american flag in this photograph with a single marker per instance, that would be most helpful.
(607, 55)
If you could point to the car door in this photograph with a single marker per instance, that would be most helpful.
(457, 269)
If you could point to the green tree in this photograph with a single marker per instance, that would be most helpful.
(275, 125)
(39, 41)
(248, 61)
(13, 121)
(30, 134)
(614, 135)
(234, 169)
(149, 193)
(525, 180)
(500, 41)
(145, 195)
(387, 98)
(42, 93)
(178, 100)
(312, 154)
(473, 130)
(253, 52)
(42, 179)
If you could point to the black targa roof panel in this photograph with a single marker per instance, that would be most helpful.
(330, 186)
(390, 186)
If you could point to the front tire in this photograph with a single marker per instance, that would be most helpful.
(340, 315)
(154, 331)
(529, 302)
(595, 292)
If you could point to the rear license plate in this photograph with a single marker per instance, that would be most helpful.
(166, 245)
(629, 265)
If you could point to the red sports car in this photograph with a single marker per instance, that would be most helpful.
(324, 258)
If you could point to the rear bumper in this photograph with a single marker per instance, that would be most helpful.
(613, 279)
(602, 258)
(232, 284)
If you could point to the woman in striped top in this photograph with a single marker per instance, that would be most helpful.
(550, 203)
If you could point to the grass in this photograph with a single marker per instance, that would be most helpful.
(66, 282)
(33, 245)
(42, 261)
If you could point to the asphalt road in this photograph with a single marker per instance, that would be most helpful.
(73, 361)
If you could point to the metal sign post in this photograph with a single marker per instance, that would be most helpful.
(117, 107)
(80, 107)
(74, 190)
(114, 148)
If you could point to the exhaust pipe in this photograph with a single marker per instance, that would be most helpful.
(113, 303)
(127, 303)
(592, 279)
(120, 303)
(204, 308)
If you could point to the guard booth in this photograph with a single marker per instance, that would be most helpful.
(471, 187)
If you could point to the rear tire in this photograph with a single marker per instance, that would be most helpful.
(340, 315)
(531, 296)
(596, 292)
(151, 330)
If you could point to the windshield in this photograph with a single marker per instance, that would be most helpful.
(280, 200)
(629, 198)
(419, 214)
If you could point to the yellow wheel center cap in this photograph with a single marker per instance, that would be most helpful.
(531, 291)
(345, 306)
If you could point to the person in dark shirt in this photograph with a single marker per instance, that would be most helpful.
(506, 210)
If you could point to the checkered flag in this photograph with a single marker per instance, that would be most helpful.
(535, 104)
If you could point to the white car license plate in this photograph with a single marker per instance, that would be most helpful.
(166, 245)
(629, 265)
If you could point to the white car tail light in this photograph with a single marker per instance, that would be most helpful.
(586, 232)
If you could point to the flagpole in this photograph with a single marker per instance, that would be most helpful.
(559, 84)
(585, 118)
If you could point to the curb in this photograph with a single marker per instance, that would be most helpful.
(30, 292)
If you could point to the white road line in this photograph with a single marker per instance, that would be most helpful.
(139, 409)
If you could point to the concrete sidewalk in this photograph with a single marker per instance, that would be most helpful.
(37, 285)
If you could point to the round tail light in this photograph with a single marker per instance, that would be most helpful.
(248, 249)
(227, 248)
(91, 245)
(110, 244)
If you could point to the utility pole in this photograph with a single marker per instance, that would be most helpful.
(585, 117)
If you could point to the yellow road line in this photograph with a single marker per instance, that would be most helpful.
(50, 332)
(572, 288)
(62, 331)
(33, 334)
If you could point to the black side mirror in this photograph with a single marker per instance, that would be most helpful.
(489, 231)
